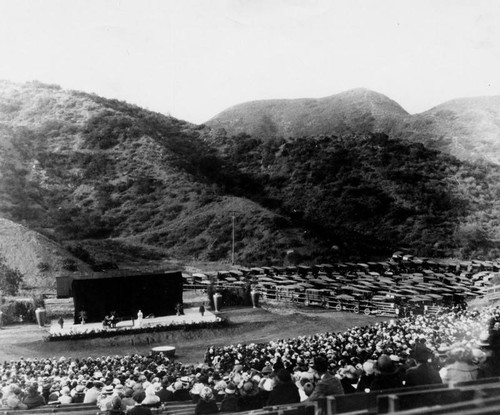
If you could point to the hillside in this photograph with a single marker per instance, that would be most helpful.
(371, 193)
(354, 111)
(467, 128)
(38, 258)
(112, 184)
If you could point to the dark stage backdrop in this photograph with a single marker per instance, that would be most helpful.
(156, 293)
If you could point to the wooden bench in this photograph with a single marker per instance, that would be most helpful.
(409, 400)
(453, 408)
(339, 404)
(54, 408)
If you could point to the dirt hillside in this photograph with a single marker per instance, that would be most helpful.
(38, 258)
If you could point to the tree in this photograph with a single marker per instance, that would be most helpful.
(10, 279)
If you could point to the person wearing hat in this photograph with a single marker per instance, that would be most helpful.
(127, 400)
(206, 404)
(327, 384)
(12, 397)
(251, 396)
(463, 368)
(491, 346)
(349, 378)
(78, 393)
(104, 401)
(33, 399)
(65, 397)
(367, 377)
(151, 399)
(93, 392)
(387, 375)
(180, 392)
(230, 402)
(139, 409)
(165, 394)
(423, 373)
(116, 407)
(285, 391)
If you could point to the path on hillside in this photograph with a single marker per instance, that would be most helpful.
(247, 326)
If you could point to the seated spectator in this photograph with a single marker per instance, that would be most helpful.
(230, 401)
(307, 389)
(54, 393)
(285, 391)
(127, 400)
(116, 407)
(165, 394)
(387, 374)
(104, 401)
(491, 346)
(250, 396)
(366, 377)
(79, 394)
(423, 373)
(151, 399)
(180, 393)
(13, 398)
(349, 379)
(327, 383)
(65, 397)
(206, 403)
(93, 392)
(138, 408)
(33, 399)
(462, 369)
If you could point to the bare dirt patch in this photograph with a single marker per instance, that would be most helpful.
(247, 325)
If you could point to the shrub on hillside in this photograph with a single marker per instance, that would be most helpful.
(18, 310)
(10, 279)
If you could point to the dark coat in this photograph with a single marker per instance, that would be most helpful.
(364, 382)
(326, 386)
(423, 374)
(181, 395)
(206, 407)
(230, 404)
(386, 381)
(347, 386)
(283, 393)
(165, 395)
(139, 410)
(33, 401)
(251, 401)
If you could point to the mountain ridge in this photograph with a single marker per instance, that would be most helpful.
(468, 128)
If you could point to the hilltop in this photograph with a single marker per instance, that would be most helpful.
(467, 128)
(355, 111)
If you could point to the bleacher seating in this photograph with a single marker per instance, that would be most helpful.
(481, 397)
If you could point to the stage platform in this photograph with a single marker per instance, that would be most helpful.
(191, 315)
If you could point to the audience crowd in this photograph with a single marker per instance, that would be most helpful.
(424, 349)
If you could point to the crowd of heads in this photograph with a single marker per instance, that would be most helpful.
(243, 376)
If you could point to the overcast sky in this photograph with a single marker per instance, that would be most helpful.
(194, 58)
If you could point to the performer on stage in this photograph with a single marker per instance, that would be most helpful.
(139, 318)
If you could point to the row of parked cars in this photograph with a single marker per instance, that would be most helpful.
(394, 286)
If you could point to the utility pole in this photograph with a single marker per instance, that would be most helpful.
(232, 250)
